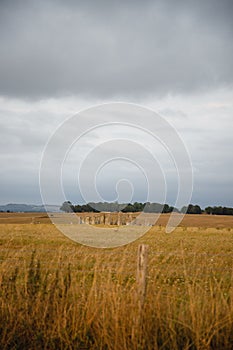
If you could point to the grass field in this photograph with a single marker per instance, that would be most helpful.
(205, 221)
(57, 294)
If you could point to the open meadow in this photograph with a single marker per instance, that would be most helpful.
(57, 294)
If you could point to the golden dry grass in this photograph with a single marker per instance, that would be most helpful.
(205, 221)
(56, 294)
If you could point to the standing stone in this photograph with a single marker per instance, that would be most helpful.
(130, 219)
(106, 219)
(101, 219)
(119, 219)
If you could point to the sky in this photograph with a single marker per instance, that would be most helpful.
(61, 57)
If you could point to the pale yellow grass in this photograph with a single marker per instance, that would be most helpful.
(56, 294)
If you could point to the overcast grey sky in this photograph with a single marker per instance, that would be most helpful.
(57, 57)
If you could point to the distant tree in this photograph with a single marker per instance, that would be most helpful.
(227, 211)
(67, 207)
(191, 209)
(138, 206)
(146, 207)
(184, 210)
(129, 208)
(218, 210)
(222, 211)
(78, 208)
(209, 210)
(197, 209)
(166, 208)
(153, 208)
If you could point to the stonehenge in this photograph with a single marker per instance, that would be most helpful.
(114, 218)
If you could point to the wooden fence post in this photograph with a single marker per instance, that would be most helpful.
(140, 296)
(141, 274)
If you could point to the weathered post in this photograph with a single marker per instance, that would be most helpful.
(140, 295)
(141, 273)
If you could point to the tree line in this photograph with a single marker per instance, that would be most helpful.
(146, 207)
(118, 207)
(219, 210)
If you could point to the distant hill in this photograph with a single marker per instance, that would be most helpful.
(29, 208)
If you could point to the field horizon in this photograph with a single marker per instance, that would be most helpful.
(58, 294)
(189, 220)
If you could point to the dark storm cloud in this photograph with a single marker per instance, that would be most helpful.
(108, 48)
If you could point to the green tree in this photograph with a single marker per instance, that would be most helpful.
(191, 209)
(67, 207)
(209, 210)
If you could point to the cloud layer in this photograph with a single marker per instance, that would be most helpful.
(57, 57)
(111, 49)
